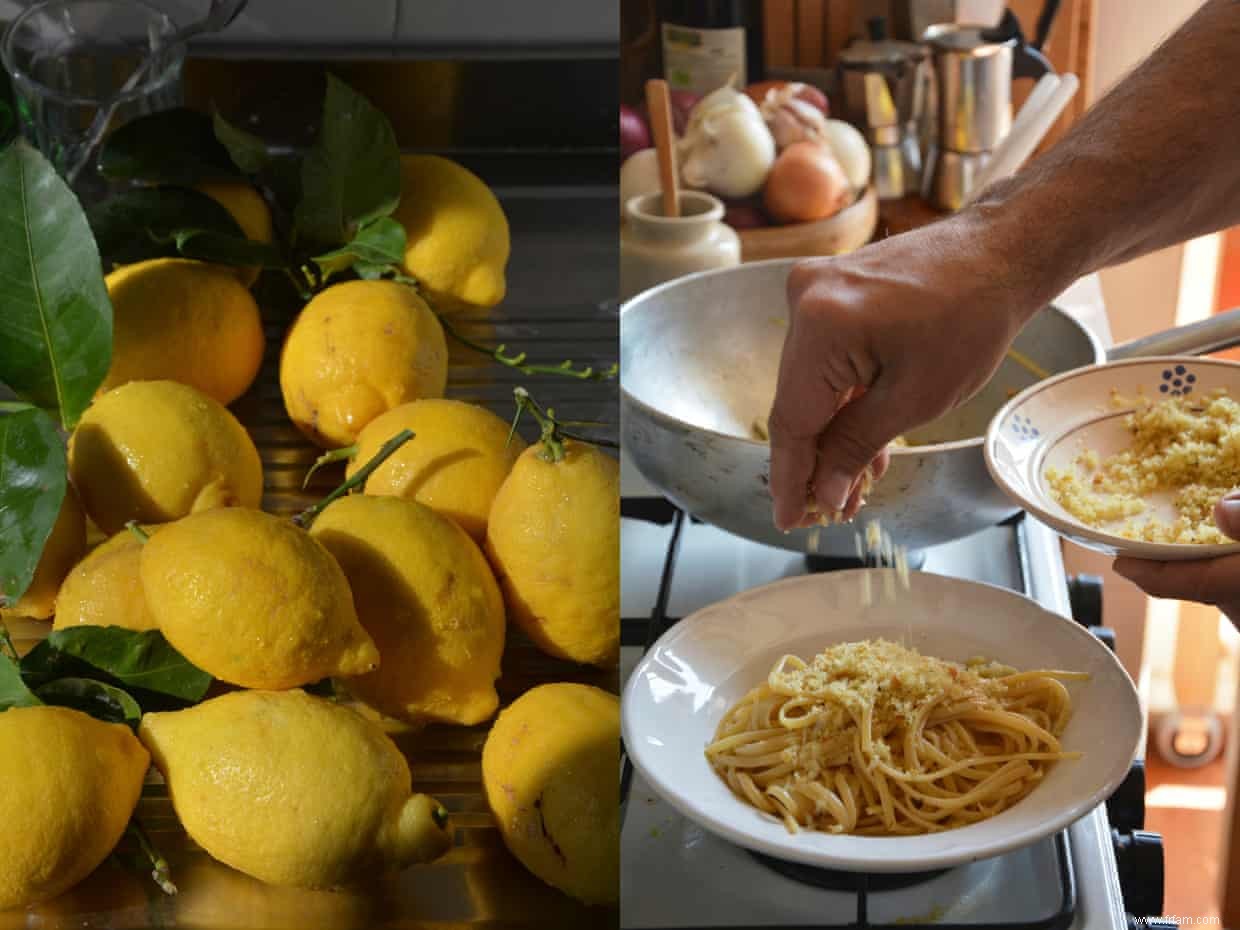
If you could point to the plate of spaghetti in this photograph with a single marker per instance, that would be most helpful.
(953, 722)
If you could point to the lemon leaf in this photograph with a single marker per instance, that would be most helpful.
(379, 243)
(56, 325)
(351, 175)
(32, 487)
(135, 659)
(247, 151)
(137, 224)
(13, 691)
(102, 701)
(225, 249)
(176, 146)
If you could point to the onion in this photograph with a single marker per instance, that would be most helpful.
(634, 133)
(806, 184)
(639, 174)
(727, 148)
(851, 150)
(745, 215)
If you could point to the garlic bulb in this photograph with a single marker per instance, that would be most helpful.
(639, 174)
(791, 119)
(727, 148)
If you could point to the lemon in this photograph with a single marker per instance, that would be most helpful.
(457, 234)
(293, 789)
(358, 349)
(554, 540)
(424, 591)
(549, 769)
(70, 785)
(247, 207)
(154, 451)
(105, 589)
(253, 600)
(184, 321)
(65, 545)
(456, 463)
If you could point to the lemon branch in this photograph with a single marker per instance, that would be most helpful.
(565, 369)
(143, 536)
(307, 516)
(332, 455)
(551, 430)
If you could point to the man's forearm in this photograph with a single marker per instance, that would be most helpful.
(1153, 163)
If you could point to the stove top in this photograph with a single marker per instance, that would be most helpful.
(677, 875)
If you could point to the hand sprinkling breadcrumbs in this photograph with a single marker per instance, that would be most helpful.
(1189, 446)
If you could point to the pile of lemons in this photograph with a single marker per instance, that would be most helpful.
(402, 592)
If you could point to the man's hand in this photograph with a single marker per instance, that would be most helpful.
(1210, 581)
(881, 341)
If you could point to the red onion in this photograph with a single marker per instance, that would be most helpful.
(634, 133)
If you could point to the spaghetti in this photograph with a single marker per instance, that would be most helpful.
(873, 738)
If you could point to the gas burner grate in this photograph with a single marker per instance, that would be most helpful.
(837, 880)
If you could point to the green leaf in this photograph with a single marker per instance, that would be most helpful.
(56, 321)
(352, 173)
(99, 699)
(135, 659)
(379, 243)
(139, 224)
(247, 151)
(13, 691)
(176, 146)
(222, 248)
(32, 487)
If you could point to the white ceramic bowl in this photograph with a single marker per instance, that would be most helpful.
(1050, 423)
(698, 669)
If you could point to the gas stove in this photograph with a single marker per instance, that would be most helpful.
(1102, 873)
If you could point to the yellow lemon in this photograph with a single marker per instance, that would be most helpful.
(458, 459)
(105, 588)
(247, 207)
(554, 540)
(293, 789)
(549, 769)
(358, 349)
(154, 451)
(424, 591)
(70, 785)
(457, 234)
(185, 321)
(254, 600)
(65, 545)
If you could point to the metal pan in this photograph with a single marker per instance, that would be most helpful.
(699, 358)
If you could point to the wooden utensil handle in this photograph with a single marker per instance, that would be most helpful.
(658, 101)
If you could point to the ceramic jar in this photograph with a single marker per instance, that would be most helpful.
(655, 248)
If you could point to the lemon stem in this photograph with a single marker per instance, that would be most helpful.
(307, 516)
(143, 536)
(550, 436)
(333, 455)
(159, 865)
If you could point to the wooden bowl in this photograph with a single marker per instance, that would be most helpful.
(849, 229)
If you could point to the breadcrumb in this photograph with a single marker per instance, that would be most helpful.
(1188, 446)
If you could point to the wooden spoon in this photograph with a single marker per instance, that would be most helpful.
(658, 101)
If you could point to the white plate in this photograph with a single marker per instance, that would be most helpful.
(698, 669)
(1052, 422)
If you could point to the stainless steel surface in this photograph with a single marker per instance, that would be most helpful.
(890, 180)
(897, 64)
(562, 278)
(1210, 335)
(950, 177)
(699, 359)
(974, 80)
